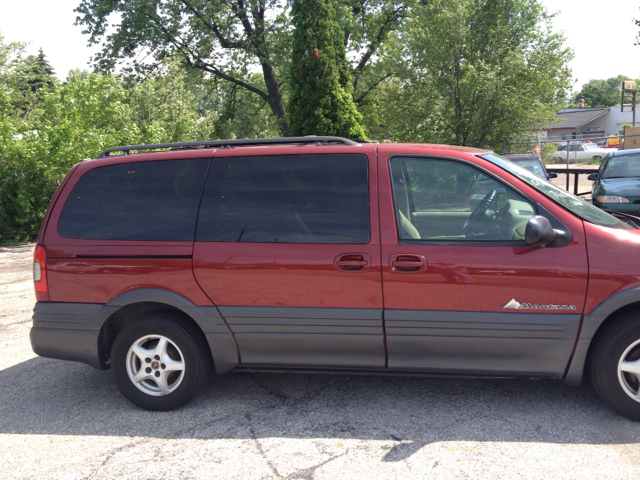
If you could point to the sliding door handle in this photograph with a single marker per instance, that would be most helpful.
(352, 262)
(407, 263)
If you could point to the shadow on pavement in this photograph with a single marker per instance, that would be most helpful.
(42, 396)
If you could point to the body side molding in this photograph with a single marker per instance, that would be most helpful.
(520, 342)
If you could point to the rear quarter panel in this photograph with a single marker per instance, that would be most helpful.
(96, 271)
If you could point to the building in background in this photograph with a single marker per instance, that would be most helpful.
(585, 123)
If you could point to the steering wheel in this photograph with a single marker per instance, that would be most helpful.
(480, 210)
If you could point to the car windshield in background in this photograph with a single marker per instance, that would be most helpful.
(531, 165)
(578, 206)
(620, 166)
(590, 146)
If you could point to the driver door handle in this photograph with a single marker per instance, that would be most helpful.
(407, 263)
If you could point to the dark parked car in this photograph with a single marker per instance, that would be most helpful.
(325, 254)
(616, 186)
(531, 163)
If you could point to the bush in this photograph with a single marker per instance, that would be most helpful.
(71, 122)
(547, 152)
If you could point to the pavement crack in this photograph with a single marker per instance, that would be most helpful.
(309, 472)
(15, 323)
(254, 437)
(113, 452)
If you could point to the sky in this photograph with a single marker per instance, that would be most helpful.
(601, 34)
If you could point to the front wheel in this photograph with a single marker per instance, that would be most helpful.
(615, 366)
(160, 362)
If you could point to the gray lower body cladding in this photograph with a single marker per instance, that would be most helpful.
(470, 343)
(69, 331)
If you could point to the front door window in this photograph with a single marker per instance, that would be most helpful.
(442, 200)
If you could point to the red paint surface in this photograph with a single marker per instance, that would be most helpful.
(614, 262)
(98, 280)
(288, 275)
(292, 275)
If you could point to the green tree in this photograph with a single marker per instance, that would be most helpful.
(227, 38)
(321, 101)
(477, 72)
(241, 114)
(165, 107)
(11, 124)
(35, 72)
(70, 122)
(602, 93)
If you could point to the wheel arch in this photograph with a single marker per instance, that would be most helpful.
(207, 321)
(594, 324)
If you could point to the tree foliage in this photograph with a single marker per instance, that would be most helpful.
(461, 72)
(35, 72)
(476, 71)
(71, 122)
(229, 38)
(601, 93)
(321, 101)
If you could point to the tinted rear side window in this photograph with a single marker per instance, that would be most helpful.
(289, 199)
(136, 201)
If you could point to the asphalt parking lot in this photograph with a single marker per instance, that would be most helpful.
(66, 420)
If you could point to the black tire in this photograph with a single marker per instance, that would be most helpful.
(620, 340)
(186, 351)
(597, 158)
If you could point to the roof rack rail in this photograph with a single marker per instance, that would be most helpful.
(318, 140)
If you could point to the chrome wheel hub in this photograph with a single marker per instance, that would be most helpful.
(629, 371)
(155, 365)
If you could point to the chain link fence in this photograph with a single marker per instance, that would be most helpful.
(573, 160)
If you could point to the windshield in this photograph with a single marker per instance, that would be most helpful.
(531, 165)
(622, 166)
(576, 205)
(590, 146)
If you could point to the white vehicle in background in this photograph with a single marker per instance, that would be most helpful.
(581, 152)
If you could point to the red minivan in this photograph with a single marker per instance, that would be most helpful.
(326, 254)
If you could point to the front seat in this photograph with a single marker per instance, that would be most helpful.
(407, 230)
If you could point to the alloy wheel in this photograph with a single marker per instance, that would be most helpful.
(155, 365)
(629, 371)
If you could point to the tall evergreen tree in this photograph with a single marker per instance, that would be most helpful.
(321, 101)
(35, 73)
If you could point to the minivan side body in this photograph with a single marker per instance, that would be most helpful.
(379, 258)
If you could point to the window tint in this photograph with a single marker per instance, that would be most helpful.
(291, 199)
(136, 201)
(451, 201)
(569, 201)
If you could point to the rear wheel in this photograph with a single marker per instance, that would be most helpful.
(159, 362)
(615, 366)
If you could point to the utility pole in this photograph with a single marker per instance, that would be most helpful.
(629, 95)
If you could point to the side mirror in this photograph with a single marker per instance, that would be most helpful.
(539, 232)
(593, 176)
(552, 175)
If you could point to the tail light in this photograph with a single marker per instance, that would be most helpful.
(40, 274)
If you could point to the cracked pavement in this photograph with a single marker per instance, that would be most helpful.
(66, 420)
